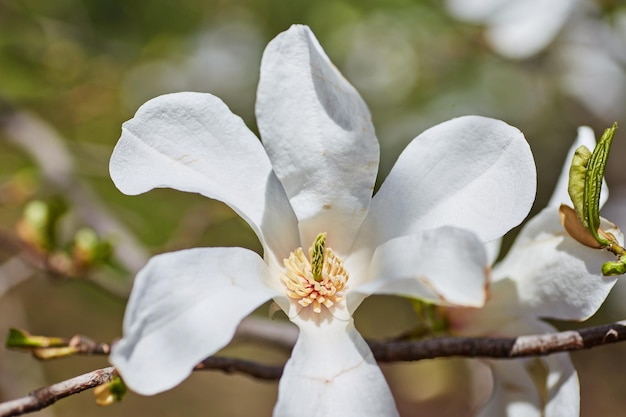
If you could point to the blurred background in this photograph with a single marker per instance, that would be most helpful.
(71, 71)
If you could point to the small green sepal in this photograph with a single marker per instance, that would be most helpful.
(21, 339)
(577, 176)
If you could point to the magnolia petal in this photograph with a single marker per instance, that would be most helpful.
(332, 373)
(184, 307)
(447, 266)
(319, 136)
(192, 142)
(563, 386)
(501, 308)
(546, 386)
(471, 172)
(560, 195)
(552, 274)
(514, 392)
(559, 381)
(493, 250)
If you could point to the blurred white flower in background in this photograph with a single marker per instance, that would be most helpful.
(586, 44)
(515, 28)
(592, 57)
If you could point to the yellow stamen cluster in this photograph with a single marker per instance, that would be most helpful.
(302, 285)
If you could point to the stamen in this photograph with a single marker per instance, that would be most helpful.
(318, 281)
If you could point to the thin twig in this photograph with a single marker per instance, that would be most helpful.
(500, 348)
(46, 396)
(386, 351)
(440, 347)
(242, 366)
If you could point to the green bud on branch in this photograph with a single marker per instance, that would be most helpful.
(610, 269)
(593, 184)
(21, 339)
(585, 184)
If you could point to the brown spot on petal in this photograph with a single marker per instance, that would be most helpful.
(572, 225)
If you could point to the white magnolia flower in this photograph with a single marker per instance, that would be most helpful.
(546, 274)
(310, 180)
(515, 28)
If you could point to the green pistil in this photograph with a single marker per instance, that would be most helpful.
(316, 254)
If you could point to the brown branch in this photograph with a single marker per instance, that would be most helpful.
(232, 366)
(385, 351)
(46, 396)
(500, 348)
(414, 350)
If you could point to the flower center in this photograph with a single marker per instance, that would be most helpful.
(316, 281)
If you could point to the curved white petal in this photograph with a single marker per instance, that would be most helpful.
(502, 307)
(184, 306)
(493, 250)
(514, 392)
(552, 274)
(560, 195)
(319, 136)
(447, 266)
(546, 386)
(471, 172)
(555, 378)
(192, 142)
(332, 373)
(563, 388)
